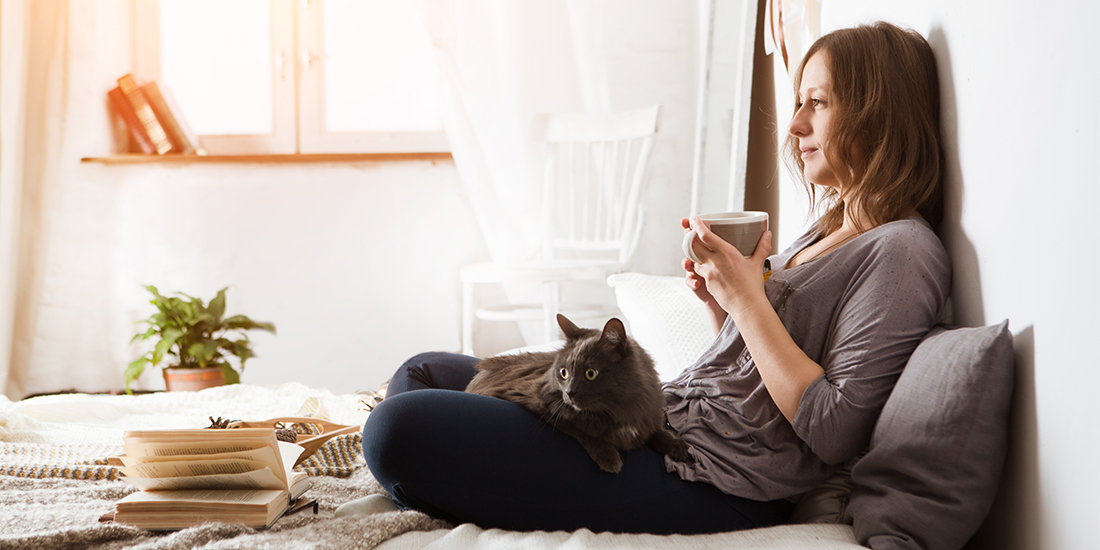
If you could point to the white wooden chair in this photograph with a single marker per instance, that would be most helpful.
(591, 217)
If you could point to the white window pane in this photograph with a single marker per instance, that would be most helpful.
(216, 59)
(379, 68)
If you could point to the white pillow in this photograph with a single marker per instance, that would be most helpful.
(665, 317)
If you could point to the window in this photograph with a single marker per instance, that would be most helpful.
(295, 76)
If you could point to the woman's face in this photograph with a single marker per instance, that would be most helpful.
(810, 123)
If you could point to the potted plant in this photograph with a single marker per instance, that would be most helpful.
(198, 337)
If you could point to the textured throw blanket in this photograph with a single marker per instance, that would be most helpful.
(55, 482)
(64, 513)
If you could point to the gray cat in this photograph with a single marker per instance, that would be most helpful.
(600, 388)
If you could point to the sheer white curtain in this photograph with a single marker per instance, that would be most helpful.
(34, 80)
(502, 62)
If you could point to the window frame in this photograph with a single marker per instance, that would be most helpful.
(297, 59)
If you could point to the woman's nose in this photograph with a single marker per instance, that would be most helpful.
(799, 126)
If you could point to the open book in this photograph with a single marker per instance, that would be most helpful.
(188, 477)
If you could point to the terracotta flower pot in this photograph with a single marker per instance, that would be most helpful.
(177, 379)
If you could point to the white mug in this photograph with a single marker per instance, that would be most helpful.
(741, 229)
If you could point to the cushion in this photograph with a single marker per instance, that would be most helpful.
(826, 502)
(938, 449)
(665, 317)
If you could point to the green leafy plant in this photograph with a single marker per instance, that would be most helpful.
(194, 335)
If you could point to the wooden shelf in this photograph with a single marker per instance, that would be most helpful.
(137, 158)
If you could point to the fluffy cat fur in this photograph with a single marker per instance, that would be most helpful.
(601, 389)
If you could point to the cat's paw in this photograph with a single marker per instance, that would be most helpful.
(607, 458)
(611, 466)
(668, 443)
(679, 452)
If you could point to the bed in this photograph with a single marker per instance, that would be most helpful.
(927, 480)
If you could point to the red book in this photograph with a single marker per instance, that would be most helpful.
(145, 114)
(137, 129)
(164, 106)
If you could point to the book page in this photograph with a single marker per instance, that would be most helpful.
(266, 456)
(263, 454)
(289, 452)
(198, 434)
(256, 479)
(253, 458)
(182, 468)
(241, 496)
(199, 441)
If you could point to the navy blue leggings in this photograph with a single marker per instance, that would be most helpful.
(470, 458)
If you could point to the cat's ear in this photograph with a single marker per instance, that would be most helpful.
(614, 335)
(570, 330)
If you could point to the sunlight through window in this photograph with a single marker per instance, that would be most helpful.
(216, 58)
(282, 76)
(396, 91)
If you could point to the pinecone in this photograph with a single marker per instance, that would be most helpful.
(220, 423)
(286, 434)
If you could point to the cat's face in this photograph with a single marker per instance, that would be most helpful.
(592, 366)
(580, 382)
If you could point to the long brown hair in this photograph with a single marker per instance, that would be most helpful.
(885, 94)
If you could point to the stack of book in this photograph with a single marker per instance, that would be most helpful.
(153, 118)
(189, 477)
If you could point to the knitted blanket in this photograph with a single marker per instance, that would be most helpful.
(55, 513)
(56, 483)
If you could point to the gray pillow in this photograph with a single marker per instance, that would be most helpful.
(939, 446)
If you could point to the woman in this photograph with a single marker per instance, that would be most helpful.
(800, 368)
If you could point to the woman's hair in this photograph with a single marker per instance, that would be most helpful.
(884, 129)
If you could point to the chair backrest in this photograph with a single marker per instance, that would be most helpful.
(595, 168)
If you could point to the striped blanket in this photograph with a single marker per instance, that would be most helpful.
(56, 482)
(73, 436)
(338, 457)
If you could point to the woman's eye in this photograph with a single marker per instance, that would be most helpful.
(591, 374)
(564, 374)
(816, 102)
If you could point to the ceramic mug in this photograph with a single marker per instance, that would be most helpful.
(741, 229)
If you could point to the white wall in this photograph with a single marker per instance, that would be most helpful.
(1021, 121)
(356, 263)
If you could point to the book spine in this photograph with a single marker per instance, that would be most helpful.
(137, 129)
(145, 114)
(167, 118)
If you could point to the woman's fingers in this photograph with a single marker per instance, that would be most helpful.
(704, 236)
(763, 248)
(694, 280)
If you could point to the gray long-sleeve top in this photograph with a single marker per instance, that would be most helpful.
(859, 312)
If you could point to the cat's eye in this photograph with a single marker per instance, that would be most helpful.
(591, 374)
(564, 374)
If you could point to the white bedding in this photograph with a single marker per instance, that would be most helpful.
(98, 420)
(791, 537)
(81, 418)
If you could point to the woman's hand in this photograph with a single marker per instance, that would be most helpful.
(725, 280)
(698, 285)
(736, 284)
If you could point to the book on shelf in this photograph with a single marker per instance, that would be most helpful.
(137, 129)
(167, 111)
(191, 476)
(144, 112)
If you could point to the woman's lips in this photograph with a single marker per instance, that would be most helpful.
(806, 152)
